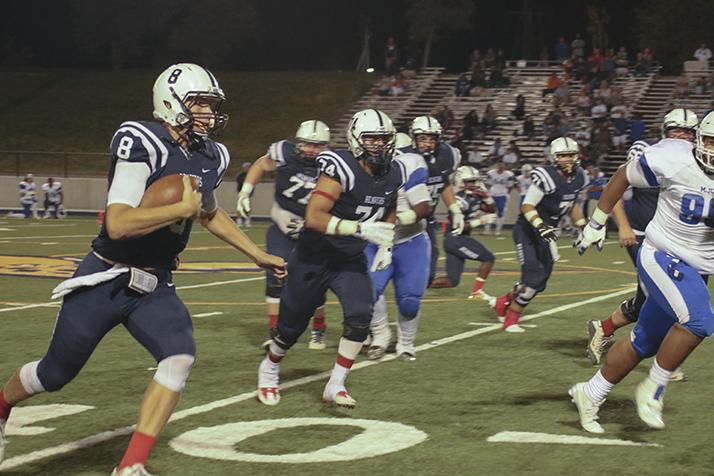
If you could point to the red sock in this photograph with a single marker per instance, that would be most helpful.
(511, 318)
(344, 361)
(608, 327)
(275, 358)
(138, 451)
(318, 321)
(4, 407)
(272, 321)
(478, 284)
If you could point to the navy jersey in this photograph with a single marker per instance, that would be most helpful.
(294, 178)
(364, 198)
(470, 206)
(442, 164)
(560, 192)
(151, 143)
(644, 200)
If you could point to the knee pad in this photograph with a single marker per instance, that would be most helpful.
(173, 371)
(53, 374)
(273, 288)
(409, 306)
(523, 294)
(355, 333)
(29, 379)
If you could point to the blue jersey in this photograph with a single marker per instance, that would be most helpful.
(294, 178)
(470, 205)
(364, 198)
(151, 143)
(560, 193)
(441, 164)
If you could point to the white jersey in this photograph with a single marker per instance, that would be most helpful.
(500, 182)
(524, 181)
(53, 192)
(27, 189)
(683, 225)
(413, 192)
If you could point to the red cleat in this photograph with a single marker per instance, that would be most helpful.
(502, 304)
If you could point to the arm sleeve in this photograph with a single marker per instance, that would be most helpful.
(542, 180)
(225, 159)
(534, 195)
(128, 183)
(276, 153)
(211, 205)
(335, 167)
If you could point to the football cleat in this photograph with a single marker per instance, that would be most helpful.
(269, 395)
(490, 300)
(515, 329)
(649, 398)
(338, 396)
(501, 305)
(2, 439)
(376, 352)
(597, 341)
(406, 356)
(678, 375)
(137, 469)
(317, 340)
(268, 382)
(586, 408)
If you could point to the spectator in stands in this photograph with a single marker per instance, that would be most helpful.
(703, 53)
(512, 157)
(619, 115)
(700, 87)
(384, 88)
(647, 60)
(410, 68)
(583, 134)
(529, 128)
(681, 88)
(608, 63)
(463, 85)
(598, 113)
(551, 84)
(478, 77)
(601, 142)
(637, 128)
(578, 46)
(474, 157)
(497, 78)
(596, 58)
(471, 125)
(544, 57)
(621, 62)
(496, 151)
(520, 109)
(475, 59)
(598, 180)
(500, 59)
(561, 95)
(561, 50)
(489, 58)
(582, 102)
(390, 56)
(488, 121)
(604, 92)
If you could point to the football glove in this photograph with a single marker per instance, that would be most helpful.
(457, 219)
(243, 205)
(382, 259)
(593, 233)
(487, 219)
(295, 227)
(380, 232)
(548, 233)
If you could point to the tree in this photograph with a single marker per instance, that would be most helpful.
(598, 20)
(429, 20)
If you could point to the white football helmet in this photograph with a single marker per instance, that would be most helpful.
(425, 125)
(178, 88)
(366, 128)
(565, 154)
(679, 118)
(403, 140)
(526, 169)
(704, 150)
(311, 132)
(469, 179)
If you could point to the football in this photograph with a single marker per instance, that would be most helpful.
(165, 191)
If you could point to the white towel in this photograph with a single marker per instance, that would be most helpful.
(69, 285)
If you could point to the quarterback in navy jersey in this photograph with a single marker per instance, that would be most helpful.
(354, 202)
(126, 278)
(550, 197)
(479, 209)
(442, 160)
(296, 175)
(677, 124)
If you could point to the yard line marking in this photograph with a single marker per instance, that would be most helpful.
(92, 440)
(47, 243)
(219, 283)
(30, 306)
(533, 437)
(533, 326)
(206, 314)
(53, 237)
(564, 247)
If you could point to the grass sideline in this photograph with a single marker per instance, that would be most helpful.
(79, 110)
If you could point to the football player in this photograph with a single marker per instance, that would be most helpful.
(126, 278)
(478, 207)
(549, 198)
(295, 178)
(524, 181)
(28, 196)
(354, 201)
(409, 270)
(442, 160)
(677, 124)
(674, 259)
(501, 183)
(54, 197)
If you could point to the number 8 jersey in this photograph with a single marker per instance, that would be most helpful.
(683, 223)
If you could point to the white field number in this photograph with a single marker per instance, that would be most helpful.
(23, 417)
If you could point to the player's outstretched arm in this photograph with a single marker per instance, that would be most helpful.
(626, 235)
(256, 171)
(222, 226)
(125, 221)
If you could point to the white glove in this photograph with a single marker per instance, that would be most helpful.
(382, 259)
(243, 205)
(457, 219)
(589, 235)
(295, 227)
(379, 232)
(487, 219)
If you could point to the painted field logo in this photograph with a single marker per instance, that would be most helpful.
(36, 266)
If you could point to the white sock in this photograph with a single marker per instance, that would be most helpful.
(381, 333)
(597, 388)
(659, 375)
(276, 350)
(406, 332)
(347, 352)
(499, 224)
(268, 373)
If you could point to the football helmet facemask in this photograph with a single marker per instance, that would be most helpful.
(429, 127)
(371, 137)
(704, 150)
(565, 154)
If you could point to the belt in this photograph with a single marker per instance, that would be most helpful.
(112, 263)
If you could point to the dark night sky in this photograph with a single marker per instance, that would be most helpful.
(319, 34)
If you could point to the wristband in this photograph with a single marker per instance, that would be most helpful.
(407, 217)
(338, 226)
(475, 223)
(530, 215)
(455, 209)
(598, 219)
(246, 189)
(537, 222)
(580, 222)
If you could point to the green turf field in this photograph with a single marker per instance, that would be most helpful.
(470, 381)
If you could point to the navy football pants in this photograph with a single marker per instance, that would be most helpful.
(458, 250)
(534, 256)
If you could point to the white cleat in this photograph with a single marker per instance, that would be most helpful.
(406, 356)
(376, 352)
(586, 408)
(514, 329)
(649, 398)
(268, 383)
(317, 340)
(597, 341)
(338, 396)
(678, 375)
(2, 439)
(137, 469)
